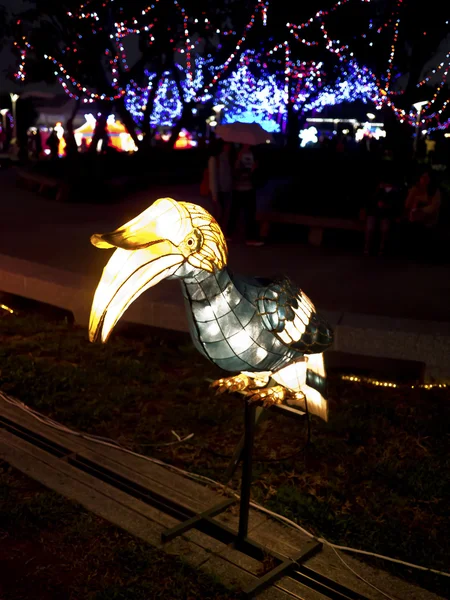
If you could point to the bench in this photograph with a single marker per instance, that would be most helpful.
(316, 225)
(42, 183)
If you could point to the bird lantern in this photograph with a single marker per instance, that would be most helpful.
(266, 332)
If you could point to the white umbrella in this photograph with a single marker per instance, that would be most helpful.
(244, 133)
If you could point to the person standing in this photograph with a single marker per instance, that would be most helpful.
(220, 175)
(382, 209)
(3, 139)
(53, 144)
(430, 145)
(244, 196)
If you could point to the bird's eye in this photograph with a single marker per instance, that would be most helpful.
(193, 241)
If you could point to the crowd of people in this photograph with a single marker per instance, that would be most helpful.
(400, 211)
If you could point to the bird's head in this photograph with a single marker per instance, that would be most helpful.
(169, 239)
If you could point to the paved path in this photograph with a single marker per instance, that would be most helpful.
(381, 307)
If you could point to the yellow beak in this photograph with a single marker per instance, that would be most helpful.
(126, 276)
(143, 258)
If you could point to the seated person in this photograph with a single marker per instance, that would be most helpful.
(423, 202)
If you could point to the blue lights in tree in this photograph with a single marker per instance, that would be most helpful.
(168, 105)
(356, 83)
(250, 98)
(251, 93)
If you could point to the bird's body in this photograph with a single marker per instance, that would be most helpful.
(268, 331)
(227, 325)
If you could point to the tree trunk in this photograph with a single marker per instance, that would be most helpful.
(180, 124)
(398, 136)
(293, 127)
(185, 113)
(100, 133)
(127, 120)
(146, 128)
(69, 136)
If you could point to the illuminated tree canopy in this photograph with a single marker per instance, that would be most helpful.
(267, 62)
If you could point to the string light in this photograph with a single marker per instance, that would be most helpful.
(392, 52)
(434, 71)
(250, 98)
(6, 308)
(264, 13)
(228, 61)
(20, 74)
(356, 83)
(188, 46)
(301, 83)
(383, 96)
(390, 384)
(436, 93)
(168, 105)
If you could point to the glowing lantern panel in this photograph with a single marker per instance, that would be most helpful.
(267, 331)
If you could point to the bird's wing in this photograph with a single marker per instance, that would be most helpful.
(288, 312)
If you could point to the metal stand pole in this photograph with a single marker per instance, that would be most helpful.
(249, 424)
(292, 565)
(237, 454)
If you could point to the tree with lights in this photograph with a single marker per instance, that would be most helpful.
(101, 52)
(396, 43)
(253, 94)
(154, 64)
(312, 67)
(356, 43)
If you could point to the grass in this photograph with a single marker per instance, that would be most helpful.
(375, 477)
(51, 548)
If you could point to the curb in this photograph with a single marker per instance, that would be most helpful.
(367, 335)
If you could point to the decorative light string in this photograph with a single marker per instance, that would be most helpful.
(395, 15)
(228, 61)
(6, 309)
(264, 12)
(440, 126)
(392, 52)
(320, 15)
(251, 98)
(299, 80)
(188, 45)
(303, 40)
(434, 71)
(384, 95)
(62, 75)
(20, 74)
(437, 91)
(390, 384)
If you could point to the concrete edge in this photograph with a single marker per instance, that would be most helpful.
(370, 335)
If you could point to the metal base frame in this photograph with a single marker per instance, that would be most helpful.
(292, 566)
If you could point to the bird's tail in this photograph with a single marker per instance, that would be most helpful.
(315, 389)
(306, 375)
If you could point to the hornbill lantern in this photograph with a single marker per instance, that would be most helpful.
(266, 331)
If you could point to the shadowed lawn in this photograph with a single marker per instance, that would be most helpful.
(53, 549)
(375, 477)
